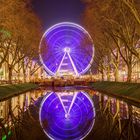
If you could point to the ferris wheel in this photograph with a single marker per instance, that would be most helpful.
(67, 116)
(66, 48)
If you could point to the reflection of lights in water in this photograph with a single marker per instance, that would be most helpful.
(67, 116)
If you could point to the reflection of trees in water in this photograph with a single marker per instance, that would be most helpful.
(110, 126)
(25, 124)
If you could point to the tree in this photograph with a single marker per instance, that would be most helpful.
(25, 31)
(133, 5)
(114, 21)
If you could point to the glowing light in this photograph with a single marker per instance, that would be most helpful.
(62, 40)
(67, 49)
(67, 116)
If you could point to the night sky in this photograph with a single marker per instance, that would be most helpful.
(51, 12)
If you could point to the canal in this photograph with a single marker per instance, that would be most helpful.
(68, 113)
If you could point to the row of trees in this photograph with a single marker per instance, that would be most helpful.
(19, 35)
(115, 29)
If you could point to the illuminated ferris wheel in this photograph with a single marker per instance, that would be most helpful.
(66, 48)
(67, 116)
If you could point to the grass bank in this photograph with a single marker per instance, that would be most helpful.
(8, 91)
(125, 91)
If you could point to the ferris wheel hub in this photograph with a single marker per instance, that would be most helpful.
(67, 50)
(67, 116)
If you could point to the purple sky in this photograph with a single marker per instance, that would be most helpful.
(53, 11)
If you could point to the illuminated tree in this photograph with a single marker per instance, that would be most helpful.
(133, 5)
(17, 19)
(114, 21)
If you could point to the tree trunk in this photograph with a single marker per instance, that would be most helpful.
(10, 75)
(102, 76)
(29, 76)
(18, 76)
(24, 75)
(116, 75)
(19, 73)
(108, 73)
(129, 74)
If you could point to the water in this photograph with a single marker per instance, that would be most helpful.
(114, 119)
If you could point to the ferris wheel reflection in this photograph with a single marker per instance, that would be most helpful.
(67, 115)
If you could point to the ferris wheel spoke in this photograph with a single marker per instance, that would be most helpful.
(73, 100)
(60, 63)
(75, 70)
(62, 103)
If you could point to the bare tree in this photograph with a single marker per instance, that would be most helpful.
(133, 5)
(113, 19)
(24, 28)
